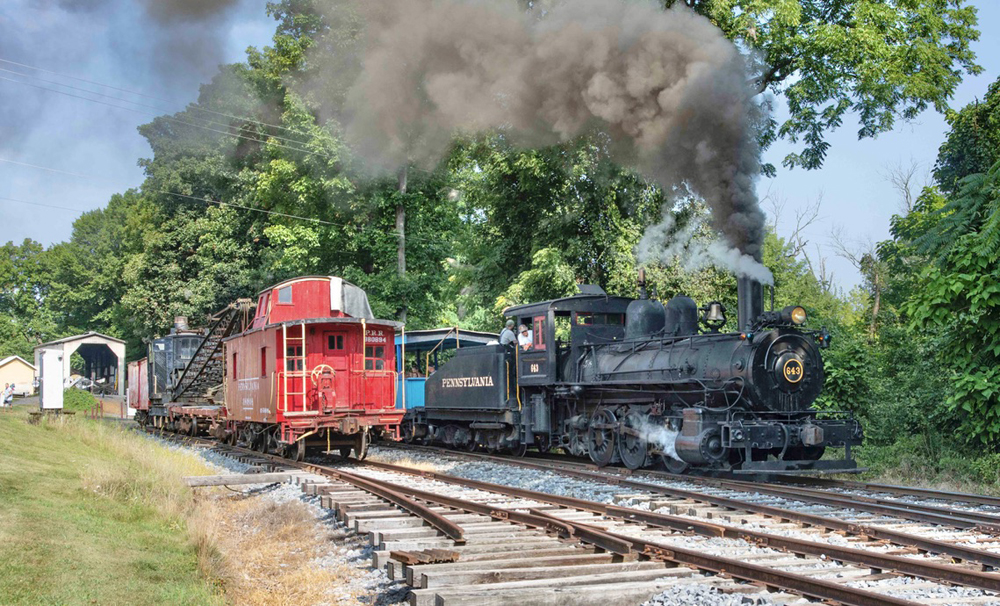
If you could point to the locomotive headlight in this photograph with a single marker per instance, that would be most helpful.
(794, 314)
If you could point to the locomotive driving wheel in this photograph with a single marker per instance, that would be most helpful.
(631, 443)
(601, 434)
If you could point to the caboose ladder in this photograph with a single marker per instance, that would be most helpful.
(295, 365)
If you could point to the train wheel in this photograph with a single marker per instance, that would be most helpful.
(520, 450)
(193, 431)
(673, 465)
(601, 435)
(407, 429)
(631, 445)
(297, 451)
(345, 452)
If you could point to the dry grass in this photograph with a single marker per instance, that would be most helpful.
(223, 547)
(263, 553)
(408, 463)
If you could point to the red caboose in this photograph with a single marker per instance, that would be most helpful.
(314, 370)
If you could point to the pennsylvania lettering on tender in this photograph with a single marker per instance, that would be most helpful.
(486, 381)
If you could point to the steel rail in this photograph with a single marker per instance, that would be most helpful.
(625, 545)
(910, 511)
(909, 491)
(985, 558)
(816, 588)
(878, 561)
(990, 522)
(450, 529)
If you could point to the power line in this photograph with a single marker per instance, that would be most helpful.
(168, 118)
(154, 107)
(52, 170)
(186, 196)
(132, 92)
(76, 210)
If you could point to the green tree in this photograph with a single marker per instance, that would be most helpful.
(24, 283)
(879, 60)
(958, 298)
(973, 143)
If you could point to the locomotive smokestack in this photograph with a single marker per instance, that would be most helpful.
(642, 284)
(749, 301)
(180, 323)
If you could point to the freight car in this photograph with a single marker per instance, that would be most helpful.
(312, 369)
(635, 381)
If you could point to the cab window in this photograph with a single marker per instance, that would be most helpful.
(538, 336)
(335, 342)
(285, 295)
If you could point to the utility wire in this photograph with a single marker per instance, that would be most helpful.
(159, 110)
(132, 92)
(169, 119)
(53, 170)
(164, 192)
(76, 210)
(186, 196)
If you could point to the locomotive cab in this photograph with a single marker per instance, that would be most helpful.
(561, 328)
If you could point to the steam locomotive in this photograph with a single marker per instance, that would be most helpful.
(635, 381)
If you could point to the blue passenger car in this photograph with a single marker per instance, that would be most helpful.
(423, 352)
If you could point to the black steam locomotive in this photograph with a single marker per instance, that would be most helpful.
(635, 381)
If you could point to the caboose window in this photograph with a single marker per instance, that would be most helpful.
(375, 357)
(293, 357)
(285, 295)
(335, 342)
(234, 366)
(263, 361)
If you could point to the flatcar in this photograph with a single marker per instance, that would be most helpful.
(312, 369)
(634, 381)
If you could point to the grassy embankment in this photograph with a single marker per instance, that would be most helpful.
(91, 513)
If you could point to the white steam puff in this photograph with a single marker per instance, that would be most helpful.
(666, 243)
(668, 88)
(660, 437)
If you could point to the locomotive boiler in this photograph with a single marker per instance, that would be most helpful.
(637, 381)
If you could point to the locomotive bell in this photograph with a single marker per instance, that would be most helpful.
(716, 312)
(715, 315)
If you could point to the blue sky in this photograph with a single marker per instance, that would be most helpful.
(116, 44)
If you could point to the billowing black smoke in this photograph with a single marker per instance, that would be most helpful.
(670, 90)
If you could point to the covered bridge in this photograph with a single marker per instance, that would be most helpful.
(103, 357)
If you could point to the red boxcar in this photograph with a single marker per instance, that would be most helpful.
(314, 370)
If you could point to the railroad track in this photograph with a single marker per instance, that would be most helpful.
(956, 534)
(458, 541)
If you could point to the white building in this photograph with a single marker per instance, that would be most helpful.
(103, 357)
